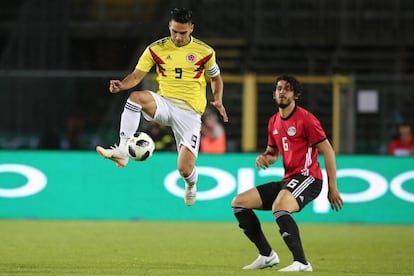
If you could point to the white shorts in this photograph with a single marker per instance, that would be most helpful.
(185, 124)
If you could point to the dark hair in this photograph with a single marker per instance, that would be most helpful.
(404, 124)
(181, 15)
(294, 83)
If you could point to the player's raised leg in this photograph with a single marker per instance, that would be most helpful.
(130, 119)
(115, 154)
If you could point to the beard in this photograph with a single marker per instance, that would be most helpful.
(283, 105)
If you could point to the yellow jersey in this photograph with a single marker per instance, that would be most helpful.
(181, 71)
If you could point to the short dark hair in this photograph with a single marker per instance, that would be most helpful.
(181, 15)
(294, 83)
(405, 124)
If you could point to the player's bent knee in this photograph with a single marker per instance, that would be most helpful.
(241, 200)
(244, 201)
(235, 202)
(141, 97)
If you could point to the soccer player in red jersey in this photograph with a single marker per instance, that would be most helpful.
(403, 145)
(297, 135)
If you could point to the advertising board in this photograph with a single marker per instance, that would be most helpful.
(81, 185)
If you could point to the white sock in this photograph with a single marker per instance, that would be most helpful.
(192, 178)
(130, 119)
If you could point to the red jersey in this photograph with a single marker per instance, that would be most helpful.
(398, 148)
(296, 137)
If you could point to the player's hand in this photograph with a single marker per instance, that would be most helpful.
(220, 107)
(335, 199)
(262, 162)
(115, 86)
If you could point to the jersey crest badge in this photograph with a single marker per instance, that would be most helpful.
(291, 131)
(191, 57)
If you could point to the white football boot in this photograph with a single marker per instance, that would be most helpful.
(264, 261)
(115, 154)
(190, 194)
(297, 267)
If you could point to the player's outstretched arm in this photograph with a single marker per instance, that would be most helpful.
(131, 80)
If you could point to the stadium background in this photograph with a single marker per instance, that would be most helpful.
(56, 58)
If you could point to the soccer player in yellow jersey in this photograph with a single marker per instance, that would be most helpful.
(182, 64)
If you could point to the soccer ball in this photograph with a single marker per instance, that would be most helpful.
(140, 146)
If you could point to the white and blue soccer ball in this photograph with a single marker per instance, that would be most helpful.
(140, 146)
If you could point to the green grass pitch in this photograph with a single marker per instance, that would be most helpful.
(30, 247)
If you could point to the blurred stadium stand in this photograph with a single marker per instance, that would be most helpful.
(56, 58)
